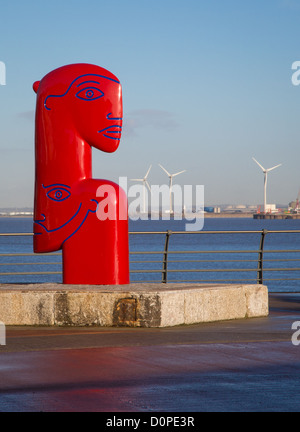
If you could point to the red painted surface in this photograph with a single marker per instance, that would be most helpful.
(79, 107)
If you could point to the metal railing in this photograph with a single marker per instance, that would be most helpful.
(169, 266)
(259, 262)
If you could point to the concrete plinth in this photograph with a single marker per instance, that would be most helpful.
(134, 305)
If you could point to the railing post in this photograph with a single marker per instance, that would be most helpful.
(260, 267)
(165, 259)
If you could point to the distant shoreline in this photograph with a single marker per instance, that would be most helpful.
(16, 217)
(206, 216)
(228, 215)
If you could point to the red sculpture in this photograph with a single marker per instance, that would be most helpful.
(79, 107)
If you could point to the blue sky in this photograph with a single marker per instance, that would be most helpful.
(206, 86)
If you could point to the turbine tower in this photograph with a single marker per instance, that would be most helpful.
(266, 171)
(171, 185)
(146, 184)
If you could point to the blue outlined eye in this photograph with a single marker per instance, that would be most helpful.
(58, 194)
(89, 94)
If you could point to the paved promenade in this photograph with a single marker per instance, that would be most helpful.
(244, 365)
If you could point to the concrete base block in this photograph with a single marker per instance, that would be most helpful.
(134, 305)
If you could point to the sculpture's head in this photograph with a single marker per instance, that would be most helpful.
(85, 98)
(78, 107)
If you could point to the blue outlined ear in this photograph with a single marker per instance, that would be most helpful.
(35, 86)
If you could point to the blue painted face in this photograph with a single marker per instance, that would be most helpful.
(59, 193)
(96, 96)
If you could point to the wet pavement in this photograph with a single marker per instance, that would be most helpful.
(243, 365)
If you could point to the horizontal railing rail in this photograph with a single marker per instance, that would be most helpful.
(168, 265)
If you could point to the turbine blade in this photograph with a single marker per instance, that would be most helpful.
(148, 172)
(277, 166)
(259, 164)
(148, 186)
(137, 180)
(174, 175)
(165, 170)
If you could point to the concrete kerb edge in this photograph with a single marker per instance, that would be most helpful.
(132, 305)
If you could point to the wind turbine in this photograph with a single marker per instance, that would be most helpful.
(171, 185)
(266, 171)
(146, 184)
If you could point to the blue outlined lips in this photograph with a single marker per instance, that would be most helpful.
(112, 132)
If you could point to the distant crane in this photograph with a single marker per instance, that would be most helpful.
(266, 171)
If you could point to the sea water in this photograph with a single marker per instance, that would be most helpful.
(216, 254)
